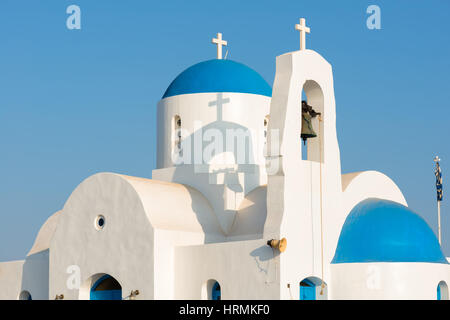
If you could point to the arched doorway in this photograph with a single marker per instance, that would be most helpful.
(442, 291)
(211, 290)
(25, 295)
(216, 293)
(311, 289)
(106, 288)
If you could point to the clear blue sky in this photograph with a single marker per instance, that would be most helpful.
(77, 102)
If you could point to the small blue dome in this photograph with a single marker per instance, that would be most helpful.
(218, 76)
(385, 231)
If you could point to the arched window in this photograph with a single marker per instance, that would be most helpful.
(442, 291)
(106, 288)
(177, 134)
(266, 125)
(25, 295)
(313, 288)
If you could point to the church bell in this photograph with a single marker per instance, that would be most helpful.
(307, 115)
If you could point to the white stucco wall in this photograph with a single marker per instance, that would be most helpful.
(35, 275)
(224, 186)
(244, 270)
(249, 221)
(122, 249)
(45, 234)
(166, 242)
(11, 279)
(375, 281)
(242, 111)
(144, 220)
(359, 186)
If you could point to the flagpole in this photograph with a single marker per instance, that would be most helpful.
(439, 222)
(438, 175)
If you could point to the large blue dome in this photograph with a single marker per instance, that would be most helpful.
(218, 76)
(384, 231)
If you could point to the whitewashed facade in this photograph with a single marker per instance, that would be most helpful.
(209, 211)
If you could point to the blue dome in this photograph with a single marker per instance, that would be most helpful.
(218, 76)
(384, 231)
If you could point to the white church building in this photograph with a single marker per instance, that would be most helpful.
(239, 207)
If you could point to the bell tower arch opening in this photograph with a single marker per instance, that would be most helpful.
(312, 115)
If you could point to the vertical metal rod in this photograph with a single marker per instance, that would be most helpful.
(439, 222)
(321, 202)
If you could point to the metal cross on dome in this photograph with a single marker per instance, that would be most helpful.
(303, 31)
(219, 42)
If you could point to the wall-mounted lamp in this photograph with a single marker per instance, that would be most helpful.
(278, 244)
(133, 294)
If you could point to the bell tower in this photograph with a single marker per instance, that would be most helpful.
(302, 195)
